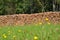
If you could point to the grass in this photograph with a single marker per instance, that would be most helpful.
(30, 32)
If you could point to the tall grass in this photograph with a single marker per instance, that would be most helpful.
(30, 32)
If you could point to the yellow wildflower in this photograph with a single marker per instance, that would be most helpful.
(4, 36)
(19, 30)
(9, 31)
(35, 37)
(49, 23)
(40, 23)
(46, 19)
(14, 36)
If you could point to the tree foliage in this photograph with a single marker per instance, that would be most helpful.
(25, 6)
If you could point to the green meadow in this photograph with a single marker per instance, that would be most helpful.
(31, 32)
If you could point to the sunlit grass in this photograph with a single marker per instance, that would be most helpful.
(31, 32)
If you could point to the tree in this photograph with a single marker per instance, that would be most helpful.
(1, 6)
(56, 5)
(23, 6)
(9, 6)
(43, 4)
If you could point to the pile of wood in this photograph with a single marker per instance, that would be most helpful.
(22, 19)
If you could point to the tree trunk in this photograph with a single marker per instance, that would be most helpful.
(43, 9)
(53, 5)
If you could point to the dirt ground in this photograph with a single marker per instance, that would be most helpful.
(22, 19)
